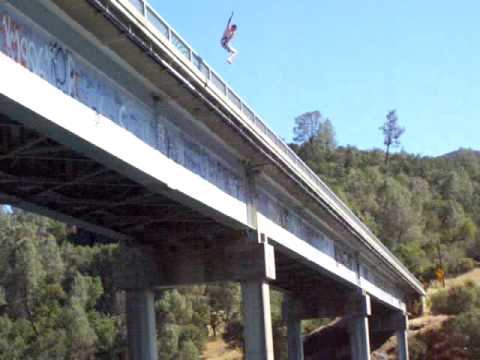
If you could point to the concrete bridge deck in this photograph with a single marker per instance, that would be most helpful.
(109, 120)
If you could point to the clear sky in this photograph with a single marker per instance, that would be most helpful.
(351, 60)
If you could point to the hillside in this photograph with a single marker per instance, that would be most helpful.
(426, 210)
(462, 153)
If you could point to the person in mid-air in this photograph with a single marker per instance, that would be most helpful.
(228, 35)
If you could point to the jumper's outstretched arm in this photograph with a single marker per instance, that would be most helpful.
(230, 20)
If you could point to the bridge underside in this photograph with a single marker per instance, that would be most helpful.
(42, 175)
(39, 170)
(38, 173)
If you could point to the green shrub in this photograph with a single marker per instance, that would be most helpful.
(233, 334)
(465, 327)
(456, 300)
(464, 265)
(440, 302)
(198, 336)
(462, 298)
(416, 307)
(188, 351)
(417, 349)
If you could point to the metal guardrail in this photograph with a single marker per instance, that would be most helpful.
(176, 40)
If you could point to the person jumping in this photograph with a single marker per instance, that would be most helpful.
(228, 35)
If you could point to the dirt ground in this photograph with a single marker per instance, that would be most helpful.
(217, 350)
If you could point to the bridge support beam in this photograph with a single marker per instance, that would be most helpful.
(359, 309)
(142, 336)
(399, 324)
(292, 314)
(359, 338)
(257, 319)
(402, 340)
(394, 322)
(423, 305)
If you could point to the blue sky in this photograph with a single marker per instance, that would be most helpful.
(351, 60)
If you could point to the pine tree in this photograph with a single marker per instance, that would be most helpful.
(391, 133)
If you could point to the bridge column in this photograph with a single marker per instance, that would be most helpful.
(135, 272)
(255, 290)
(292, 314)
(257, 320)
(402, 335)
(393, 322)
(423, 305)
(359, 310)
(141, 332)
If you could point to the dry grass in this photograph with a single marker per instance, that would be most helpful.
(472, 275)
(217, 350)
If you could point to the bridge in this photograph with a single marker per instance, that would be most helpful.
(109, 120)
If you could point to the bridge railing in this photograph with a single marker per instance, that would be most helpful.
(176, 40)
(180, 44)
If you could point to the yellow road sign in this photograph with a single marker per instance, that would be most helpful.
(440, 274)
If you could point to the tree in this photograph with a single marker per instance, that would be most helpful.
(326, 135)
(307, 126)
(182, 318)
(224, 301)
(188, 351)
(233, 334)
(314, 134)
(398, 218)
(391, 133)
(312, 127)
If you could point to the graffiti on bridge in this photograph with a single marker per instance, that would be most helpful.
(57, 64)
(31, 46)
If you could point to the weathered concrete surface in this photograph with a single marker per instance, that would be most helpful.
(257, 320)
(142, 336)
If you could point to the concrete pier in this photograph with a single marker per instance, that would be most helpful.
(142, 336)
(257, 319)
(293, 318)
(402, 336)
(358, 310)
